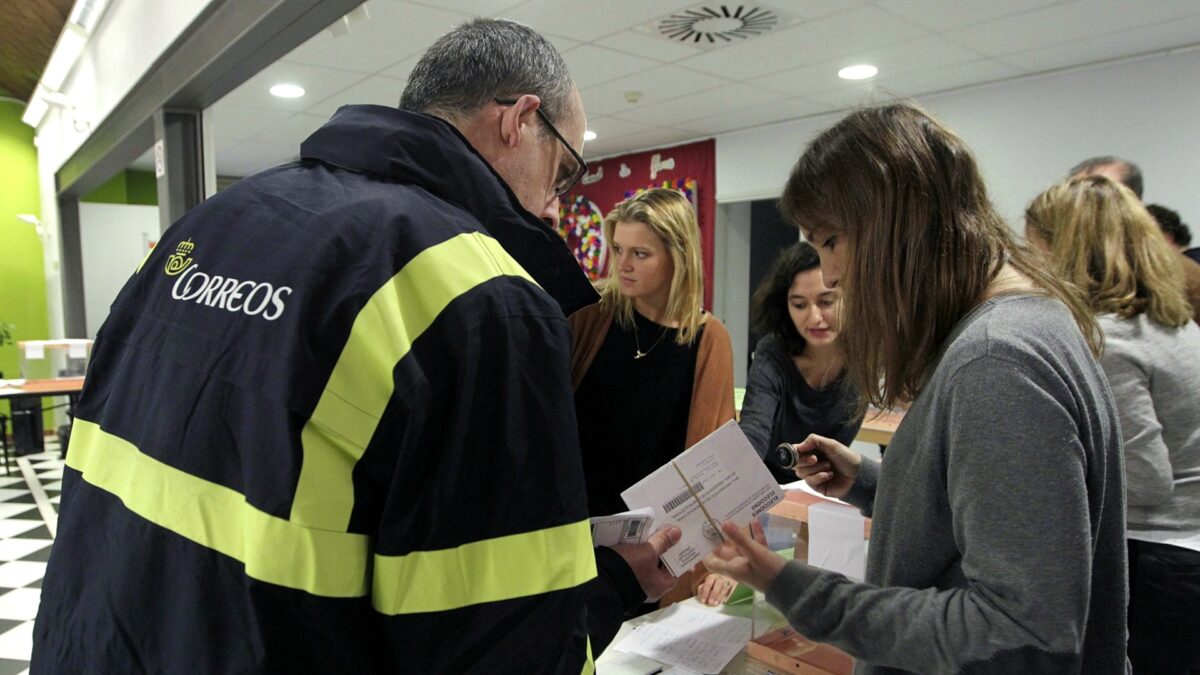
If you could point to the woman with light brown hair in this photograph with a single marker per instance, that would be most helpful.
(997, 540)
(1096, 234)
(653, 372)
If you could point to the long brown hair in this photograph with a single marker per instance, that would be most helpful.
(923, 241)
(1103, 240)
(672, 218)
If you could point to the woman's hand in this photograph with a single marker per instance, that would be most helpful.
(715, 589)
(826, 465)
(745, 559)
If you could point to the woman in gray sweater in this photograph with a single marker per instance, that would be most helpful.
(998, 538)
(1095, 233)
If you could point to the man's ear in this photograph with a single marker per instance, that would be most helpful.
(518, 119)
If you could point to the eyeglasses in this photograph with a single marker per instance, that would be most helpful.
(567, 176)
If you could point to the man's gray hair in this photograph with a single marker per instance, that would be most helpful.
(485, 59)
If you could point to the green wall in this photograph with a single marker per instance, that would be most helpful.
(22, 273)
(128, 187)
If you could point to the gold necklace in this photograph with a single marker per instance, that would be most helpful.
(639, 354)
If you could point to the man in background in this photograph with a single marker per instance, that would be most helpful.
(1121, 170)
(328, 425)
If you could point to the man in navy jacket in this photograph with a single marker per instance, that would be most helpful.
(328, 424)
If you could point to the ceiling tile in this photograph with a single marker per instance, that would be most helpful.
(942, 79)
(812, 42)
(592, 65)
(236, 123)
(245, 158)
(471, 7)
(919, 55)
(942, 15)
(401, 69)
(656, 85)
(754, 116)
(641, 43)
(318, 83)
(608, 128)
(393, 31)
(588, 20)
(375, 89)
(1124, 43)
(560, 43)
(1066, 22)
(293, 130)
(701, 104)
(650, 139)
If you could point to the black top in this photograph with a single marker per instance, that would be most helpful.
(780, 406)
(633, 413)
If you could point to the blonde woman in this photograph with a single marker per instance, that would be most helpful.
(1096, 234)
(653, 372)
(998, 536)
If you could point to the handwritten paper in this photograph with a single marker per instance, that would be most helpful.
(835, 539)
(702, 640)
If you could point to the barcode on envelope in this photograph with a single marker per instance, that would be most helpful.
(634, 529)
(682, 497)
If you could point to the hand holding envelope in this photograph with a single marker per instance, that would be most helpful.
(720, 478)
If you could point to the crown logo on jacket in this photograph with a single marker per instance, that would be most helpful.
(179, 261)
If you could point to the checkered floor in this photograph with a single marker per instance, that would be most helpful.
(28, 514)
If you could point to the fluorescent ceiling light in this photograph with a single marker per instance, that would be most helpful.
(62, 60)
(287, 91)
(861, 71)
(35, 111)
(86, 14)
(589, 135)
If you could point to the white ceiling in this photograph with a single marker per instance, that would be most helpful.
(919, 46)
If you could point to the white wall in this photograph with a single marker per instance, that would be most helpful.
(731, 279)
(1026, 133)
(114, 239)
(131, 35)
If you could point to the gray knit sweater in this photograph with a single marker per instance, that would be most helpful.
(998, 541)
(1154, 372)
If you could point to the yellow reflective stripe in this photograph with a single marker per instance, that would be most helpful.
(491, 570)
(274, 550)
(360, 386)
(589, 666)
(143, 262)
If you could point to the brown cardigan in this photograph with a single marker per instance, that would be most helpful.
(1191, 285)
(712, 392)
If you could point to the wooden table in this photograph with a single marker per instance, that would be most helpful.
(878, 427)
(59, 386)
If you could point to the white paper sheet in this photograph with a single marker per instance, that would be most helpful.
(835, 539)
(702, 640)
(77, 350)
(35, 351)
(630, 527)
(728, 476)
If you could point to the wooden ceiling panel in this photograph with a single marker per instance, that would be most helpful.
(29, 29)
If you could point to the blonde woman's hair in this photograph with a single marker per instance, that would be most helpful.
(1104, 241)
(923, 242)
(670, 216)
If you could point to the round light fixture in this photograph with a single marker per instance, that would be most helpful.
(287, 91)
(861, 71)
(589, 135)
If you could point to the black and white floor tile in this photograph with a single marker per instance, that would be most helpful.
(29, 496)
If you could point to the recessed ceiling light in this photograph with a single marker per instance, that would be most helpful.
(287, 91)
(589, 135)
(861, 71)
